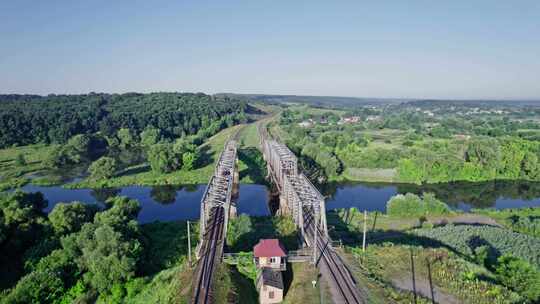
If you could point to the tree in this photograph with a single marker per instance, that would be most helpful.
(126, 138)
(163, 159)
(56, 158)
(80, 143)
(46, 283)
(520, 276)
(107, 250)
(104, 167)
(530, 166)
(188, 160)
(150, 136)
(67, 218)
(20, 160)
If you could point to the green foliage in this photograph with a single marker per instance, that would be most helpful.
(189, 159)
(244, 232)
(167, 245)
(484, 159)
(63, 116)
(524, 220)
(75, 292)
(67, 218)
(500, 240)
(163, 159)
(20, 160)
(107, 250)
(126, 138)
(239, 226)
(46, 283)
(520, 276)
(150, 136)
(104, 167)
(411, 205)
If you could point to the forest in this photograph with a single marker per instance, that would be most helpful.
(31, 119)
(101, 136)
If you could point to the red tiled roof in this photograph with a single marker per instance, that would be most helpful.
(269, 248)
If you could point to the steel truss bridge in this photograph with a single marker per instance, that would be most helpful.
(216, 208)
(303, 201)
(298, 197)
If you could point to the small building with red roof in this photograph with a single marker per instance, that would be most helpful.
(270, 253)
(270, 258)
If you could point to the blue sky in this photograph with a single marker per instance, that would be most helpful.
(411, 49)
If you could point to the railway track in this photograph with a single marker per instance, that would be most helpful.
(210, 257)
(338, 271)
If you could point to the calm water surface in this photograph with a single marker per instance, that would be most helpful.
(169, 203)
(163, 203)
(463, 196)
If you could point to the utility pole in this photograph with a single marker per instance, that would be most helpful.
(413, 278)
(365, 228)
(430, 281)
(189, 244)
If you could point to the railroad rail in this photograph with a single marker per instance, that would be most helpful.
(303, 201)
(212, 249)
(326, 254)
(215, 212)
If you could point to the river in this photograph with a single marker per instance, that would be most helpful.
(169, 203)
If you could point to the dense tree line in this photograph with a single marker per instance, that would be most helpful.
(422, 147)
(478, 159)
(27, 119)
(76, 251)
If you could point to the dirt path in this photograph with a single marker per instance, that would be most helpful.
(422, 288)
(468, 218)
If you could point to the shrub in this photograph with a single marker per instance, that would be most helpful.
(412, 205)
(520, 276)
(105, 167)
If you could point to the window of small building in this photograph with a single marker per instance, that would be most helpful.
(271, 294)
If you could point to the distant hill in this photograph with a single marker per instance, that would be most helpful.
(322, 101)
(337, 101)
(473, 103)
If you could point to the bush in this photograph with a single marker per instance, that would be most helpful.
(520, 276)
(105, 167)
(412, 205)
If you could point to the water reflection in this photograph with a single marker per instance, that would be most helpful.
(461, 195)
(159, 203)
(103, 194)
(164, 194)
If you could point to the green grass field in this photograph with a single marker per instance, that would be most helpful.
(13, 175)
(143, 175)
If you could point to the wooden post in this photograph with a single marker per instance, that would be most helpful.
(365, 228)
(413, 277)
(430, 281)
(189, 243)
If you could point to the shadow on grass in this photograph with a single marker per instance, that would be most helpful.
(256, 166)
(288, 277)
(263, 227)
(205, 157)
(142, 168)
(245, 287)
(352, 238)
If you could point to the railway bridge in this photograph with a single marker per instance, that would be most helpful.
(216, 208)
(299, 198)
